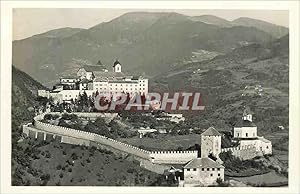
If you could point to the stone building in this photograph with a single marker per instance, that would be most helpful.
(245, 133)
(202, 172)
(210, 143)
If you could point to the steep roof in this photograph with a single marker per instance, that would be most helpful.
(244, 123)
(203, 163)
(109, 74)
(116, 63)
(211, 131)
(93, 68)
(99, 63)
(247, 111)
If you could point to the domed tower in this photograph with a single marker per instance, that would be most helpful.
(117, 66)
(245, 128)
(210, 143)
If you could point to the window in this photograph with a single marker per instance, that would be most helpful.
(188, 169)
(219, 174)
(267, 147)
(211, 174)
(194, 169)
(238, 134)
(246, 134)
(218, 168)
(207, 169)
(213, 169)
(202, 169)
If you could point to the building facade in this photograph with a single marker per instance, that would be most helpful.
(202, 172)
(95, 79)
(210, 143)
(245, 133)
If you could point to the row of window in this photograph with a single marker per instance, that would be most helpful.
(130, 85)
(66, 96)
(121, 89)
(203, 169)
(238, 134)
(212, 175)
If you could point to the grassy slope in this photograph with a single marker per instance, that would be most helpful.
(90, 167)
(24, 93)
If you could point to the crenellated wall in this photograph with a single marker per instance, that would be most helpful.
(78, 137)
(173, 157)
(73, 136)
(88, 115)
(243, 152)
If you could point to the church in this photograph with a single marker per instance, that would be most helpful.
(245, 133)
(96, 79)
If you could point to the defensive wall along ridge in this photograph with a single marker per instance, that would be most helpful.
(243, 152)
(78, 137)
(155, 161)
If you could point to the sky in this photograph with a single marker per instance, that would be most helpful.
(30, 21)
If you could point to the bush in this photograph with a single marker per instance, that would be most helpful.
(130, 170)
(72, 117)
(74, 156)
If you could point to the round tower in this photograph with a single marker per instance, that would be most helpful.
(210, 143)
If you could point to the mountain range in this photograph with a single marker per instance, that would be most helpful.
(145, 43)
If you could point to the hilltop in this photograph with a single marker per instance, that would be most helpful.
(222, 83)
(24, 94)
(148, 43)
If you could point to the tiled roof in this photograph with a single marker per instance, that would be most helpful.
(102, 74)
(264, 140)
(211, 131)
(203, 163)
(244, 123)
(94, 68)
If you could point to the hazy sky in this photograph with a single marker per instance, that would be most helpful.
(28, 22)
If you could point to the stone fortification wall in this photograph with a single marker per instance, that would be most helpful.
(160, 160)
(173, 157)
(243, 152)
(76, 136)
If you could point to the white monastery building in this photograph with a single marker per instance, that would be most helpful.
(245, 132)
(97, 79)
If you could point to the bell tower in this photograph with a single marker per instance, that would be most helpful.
(117, 67)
